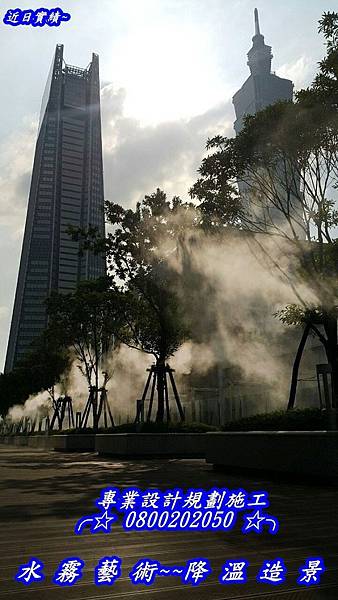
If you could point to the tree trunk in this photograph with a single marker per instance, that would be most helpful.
(295, 368)
(330, 326)
(95, 407)
(160, 390)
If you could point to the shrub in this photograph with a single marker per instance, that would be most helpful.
(309, 419)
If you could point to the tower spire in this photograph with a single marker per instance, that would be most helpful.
(259, 57)
(257, 31)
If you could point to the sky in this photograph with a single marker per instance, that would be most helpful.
(168, 69)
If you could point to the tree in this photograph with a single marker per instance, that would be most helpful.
(40, 369)
(151, 317)
(281, 172)
(84, 322)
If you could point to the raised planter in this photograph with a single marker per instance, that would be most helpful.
(14, 440)
(151, 445)
(64, 442)
(71, 442)
(6, 439)
(40, 441)
(303, 452)
(33, 441)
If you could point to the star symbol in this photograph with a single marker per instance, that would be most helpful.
(103, 522)
(253, 522)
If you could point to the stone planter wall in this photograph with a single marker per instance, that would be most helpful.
(40, 441)
(14, 440)
(74, 442)
(311, 453)
(152, 444)
(304, 452)
(65, 442)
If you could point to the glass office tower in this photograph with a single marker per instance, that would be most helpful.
(66, 189)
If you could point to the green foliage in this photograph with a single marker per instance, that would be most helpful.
(142, 237)
(138, 252)
(286, 157)
(279, 177)
(216, 189)
(171, 427)
(293, 314)
(41, 369)
(83, 316)
(85, 321)
(310, 419)
(154, 318)
(328, 26)
(324, 88)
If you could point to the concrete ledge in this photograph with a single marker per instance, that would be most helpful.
(33, 441)
(14, 440)
(303, 452)
(40, 441)
(190, 445)
(70, 442)
(7, 439)
(64, 442)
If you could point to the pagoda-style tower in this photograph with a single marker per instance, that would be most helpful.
(262, 87)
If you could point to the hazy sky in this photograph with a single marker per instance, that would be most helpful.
(168, 71)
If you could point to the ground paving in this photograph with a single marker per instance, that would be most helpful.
(44, 493)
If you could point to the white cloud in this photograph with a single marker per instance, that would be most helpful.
(16, 157)
(139, 158)
(301, 71)
(3, 312)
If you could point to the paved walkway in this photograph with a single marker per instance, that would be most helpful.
(43, 494)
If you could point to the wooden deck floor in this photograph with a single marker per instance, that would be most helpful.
(43, 494)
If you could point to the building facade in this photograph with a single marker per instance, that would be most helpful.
(66, 190)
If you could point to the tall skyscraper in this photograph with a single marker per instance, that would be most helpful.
(262, 87)
(66, 189)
